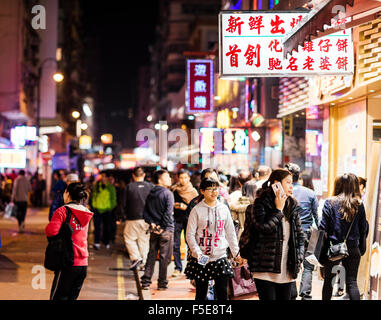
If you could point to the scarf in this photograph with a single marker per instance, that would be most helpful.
(187, 192)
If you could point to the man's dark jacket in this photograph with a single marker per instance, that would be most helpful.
(159, 208)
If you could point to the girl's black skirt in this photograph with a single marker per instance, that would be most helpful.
(212, 270)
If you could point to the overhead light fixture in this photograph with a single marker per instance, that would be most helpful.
(157, 126)
(58, 77)
(149, 118)
(164, 127)
(84, 126)
(76, 114)
(191, 117)
(50, 130)
(87, 110)
(371, 90)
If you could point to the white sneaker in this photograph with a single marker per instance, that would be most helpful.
(96, 246)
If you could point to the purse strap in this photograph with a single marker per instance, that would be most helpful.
(349, 230)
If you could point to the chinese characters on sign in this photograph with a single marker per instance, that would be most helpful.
(251, 45)
(199, 86)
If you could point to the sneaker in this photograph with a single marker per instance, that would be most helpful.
(107, 246)
(176, 273)
(162, 287)
(145, 287)
(21, 227)
(135, 264)
(96, 246)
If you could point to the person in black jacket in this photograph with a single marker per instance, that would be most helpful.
(183, 193)
(158, 213)
(276, 238)
(339, 212)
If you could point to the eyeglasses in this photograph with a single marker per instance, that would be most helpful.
(212, 189)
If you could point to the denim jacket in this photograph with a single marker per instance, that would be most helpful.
(308, 202)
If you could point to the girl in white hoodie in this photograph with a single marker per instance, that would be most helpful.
(210, 231)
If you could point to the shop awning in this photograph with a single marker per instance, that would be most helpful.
(314, 22)
(312, 26)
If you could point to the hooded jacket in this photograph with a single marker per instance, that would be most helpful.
(79, 221)
(210, 231)
(159, 208)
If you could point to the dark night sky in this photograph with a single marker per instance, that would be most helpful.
(118, 34)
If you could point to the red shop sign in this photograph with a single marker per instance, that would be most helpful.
(199, 95)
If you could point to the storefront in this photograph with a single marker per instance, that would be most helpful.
(351, 136)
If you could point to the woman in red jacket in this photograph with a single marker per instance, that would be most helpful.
(68, 282)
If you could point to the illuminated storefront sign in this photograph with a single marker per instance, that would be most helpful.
(312, 113)
(251, 45)
(199, 95)
(223, 119)
(313, 142)
(13, 158)
(227, 141)
(85, 142)
(21, 134)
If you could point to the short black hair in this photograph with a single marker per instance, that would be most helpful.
(183, 171)
(138, 172)
(205, 171)
(157, 175)
(295, 171)
(207, 182)
(77, 192)
(22, 172)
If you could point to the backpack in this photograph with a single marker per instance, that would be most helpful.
(102, 200)
(59, 253)
(247, 236)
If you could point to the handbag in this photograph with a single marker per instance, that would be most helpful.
(339, 251)
(59, 252)
(10, 211)
(315, 245)
(242, 283)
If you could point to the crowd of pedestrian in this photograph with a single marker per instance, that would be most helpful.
(262, 219)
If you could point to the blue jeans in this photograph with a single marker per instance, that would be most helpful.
(306, 282)
(179, 226)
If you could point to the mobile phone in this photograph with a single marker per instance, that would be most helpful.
(278, 186)
(203, 260)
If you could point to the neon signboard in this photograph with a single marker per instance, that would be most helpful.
(13, 158)
(199, 95)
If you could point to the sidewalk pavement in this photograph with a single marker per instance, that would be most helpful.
(179, 288)
(108, 277)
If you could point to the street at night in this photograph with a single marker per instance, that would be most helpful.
(225, 152)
